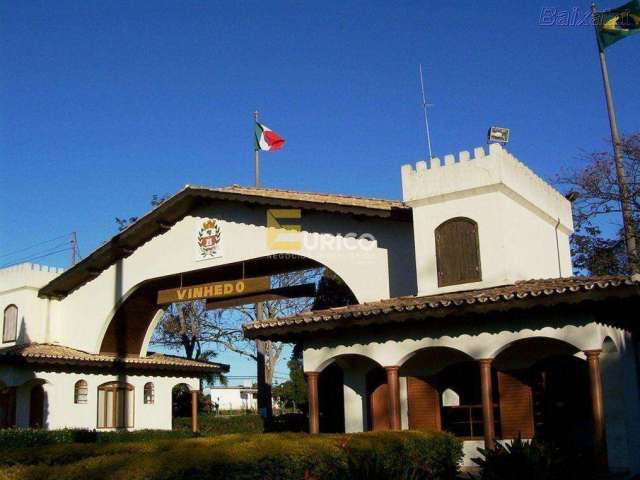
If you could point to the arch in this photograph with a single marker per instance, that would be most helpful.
(36, 406)
(549, 340)
(152, 326)
(129, 325)
(149, 392)
(440, 353)
(349, 360)
(10, 324)
(80, 392)
(116, 407)
(609, 345)
(457, 252)
(181, 398)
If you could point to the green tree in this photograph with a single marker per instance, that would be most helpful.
(293, 391)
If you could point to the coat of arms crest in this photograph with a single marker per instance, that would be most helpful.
(209, 237)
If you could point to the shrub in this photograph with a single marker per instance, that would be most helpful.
(18, 437)
(215, 425)
(289, 422)
(289, 456)
(531, 460)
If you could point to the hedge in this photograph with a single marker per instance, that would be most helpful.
(209, 425)
(215, 424)
(286, 456)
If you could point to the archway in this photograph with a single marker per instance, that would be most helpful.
(36, 406)
(7, 406)
(128, 330)
(180, 401)
(443, 392)
(345, 395)
(543, 388)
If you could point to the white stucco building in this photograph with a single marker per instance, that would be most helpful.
(234, 397)
(498, 341)
(466, 316)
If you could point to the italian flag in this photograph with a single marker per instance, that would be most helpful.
(267, 139)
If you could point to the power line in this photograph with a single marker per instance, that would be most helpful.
(33, 246)
(37, 257)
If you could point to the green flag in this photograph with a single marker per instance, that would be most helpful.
(618, 23)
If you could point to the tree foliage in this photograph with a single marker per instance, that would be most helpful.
(156, 200)
(293, 391)
(598, 244)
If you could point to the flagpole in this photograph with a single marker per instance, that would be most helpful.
(264, 388)
(627, 217)
(426, 117)
(256, 153)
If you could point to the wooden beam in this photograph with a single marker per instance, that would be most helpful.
(283, 293)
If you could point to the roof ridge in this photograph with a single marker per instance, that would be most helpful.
(306, 192)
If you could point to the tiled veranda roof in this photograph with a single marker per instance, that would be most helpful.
(441, 304)
(47, 354)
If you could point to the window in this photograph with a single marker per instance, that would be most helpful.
(149, 393)
(115, 405)
(10, 325)
(458, 252)
(80, 392)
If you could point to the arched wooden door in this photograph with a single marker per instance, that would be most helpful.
(378, 400)
(36, 407)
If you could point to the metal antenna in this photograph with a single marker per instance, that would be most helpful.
(425, 105)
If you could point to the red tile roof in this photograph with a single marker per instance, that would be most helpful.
(435, 305)
(48, 354)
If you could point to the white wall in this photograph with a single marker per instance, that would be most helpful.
(62, 412)
(366, 266)
(230, 398)
(523, 223)
(19, 286)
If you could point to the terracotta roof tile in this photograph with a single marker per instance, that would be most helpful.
(312, 197)
(340, 316)
(43, 353)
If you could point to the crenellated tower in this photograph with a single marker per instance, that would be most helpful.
(485, 220)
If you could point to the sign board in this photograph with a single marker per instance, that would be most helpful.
(215, 290)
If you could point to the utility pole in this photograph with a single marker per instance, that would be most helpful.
(74, 248)
(625, 204)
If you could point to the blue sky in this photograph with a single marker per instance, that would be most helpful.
(103, 104)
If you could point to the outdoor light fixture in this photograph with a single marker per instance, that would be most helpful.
(498, 134)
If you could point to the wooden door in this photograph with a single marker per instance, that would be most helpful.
(516, 405)
(378, 393)
(36, 407)
(423, 403)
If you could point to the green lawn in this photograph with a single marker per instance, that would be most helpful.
(281, 456)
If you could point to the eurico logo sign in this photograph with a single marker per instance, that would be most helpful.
(284, 232)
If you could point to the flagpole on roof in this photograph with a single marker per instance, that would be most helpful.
(256, 152)
(425, 105)
(627, 217)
